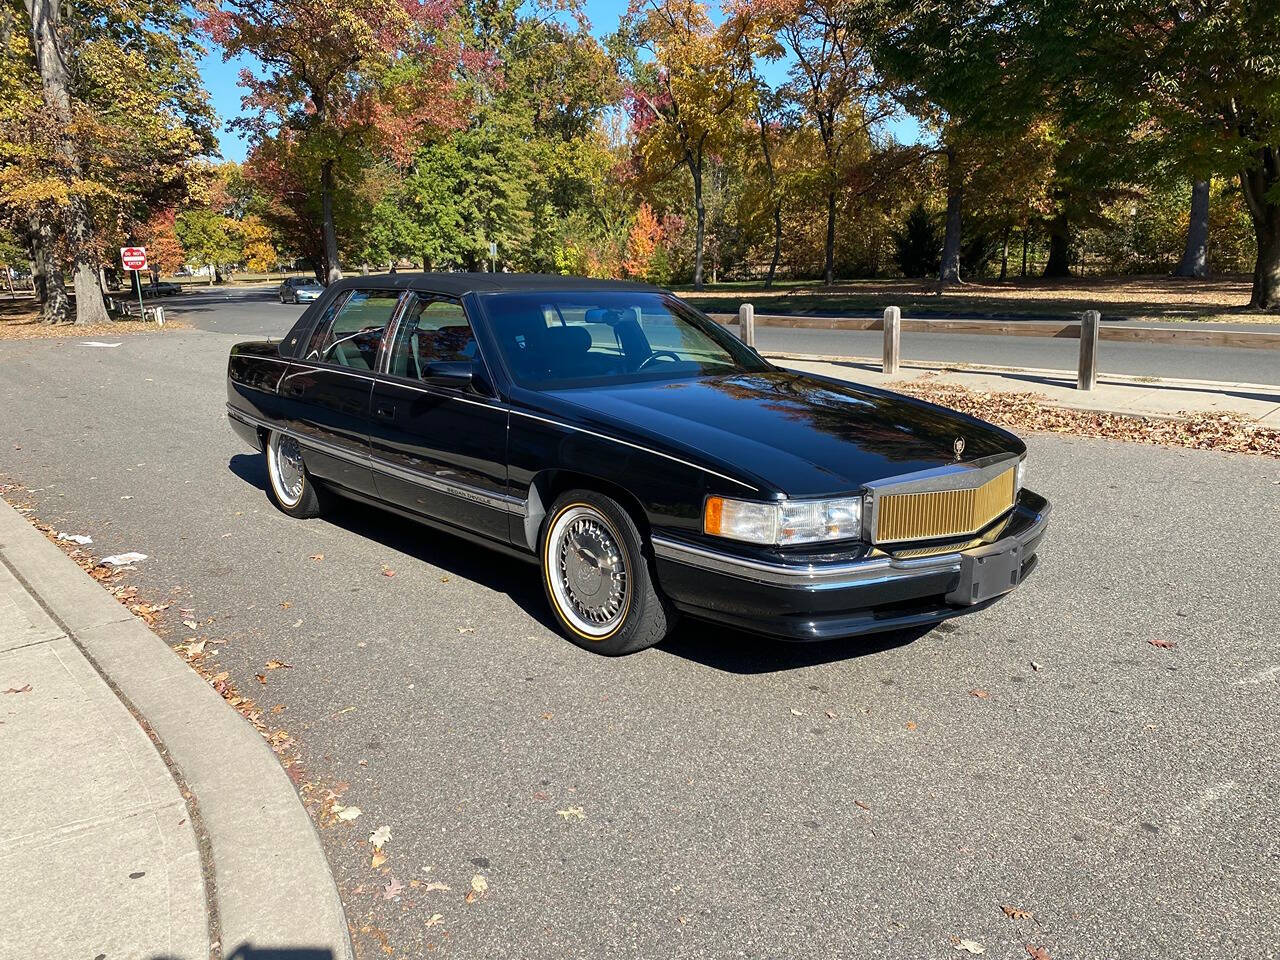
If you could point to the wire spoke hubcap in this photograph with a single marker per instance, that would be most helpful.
(287, 461)
(590, 581)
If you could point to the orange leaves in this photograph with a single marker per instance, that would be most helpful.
(1163, 644)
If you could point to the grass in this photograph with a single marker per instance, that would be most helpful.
(1161, 298)
(20, 320)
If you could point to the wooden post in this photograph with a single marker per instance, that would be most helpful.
(892, 340)
(747, 324)
(1088, 375)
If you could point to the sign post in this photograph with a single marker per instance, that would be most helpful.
(135, 259)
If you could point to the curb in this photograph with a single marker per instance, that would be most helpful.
(271, 888)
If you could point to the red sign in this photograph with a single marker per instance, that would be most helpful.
(134, 258)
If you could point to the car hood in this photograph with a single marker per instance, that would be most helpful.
(801, 435)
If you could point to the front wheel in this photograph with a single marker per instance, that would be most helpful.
(597, 578)
(292, 489)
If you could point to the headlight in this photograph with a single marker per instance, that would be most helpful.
(1020, 475)
(784, 522)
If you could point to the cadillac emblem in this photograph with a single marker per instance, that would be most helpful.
(958, 447)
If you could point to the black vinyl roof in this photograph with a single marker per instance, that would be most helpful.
(457, 284)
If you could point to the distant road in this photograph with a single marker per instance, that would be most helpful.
(257, 312)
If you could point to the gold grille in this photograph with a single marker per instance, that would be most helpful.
(944, 513)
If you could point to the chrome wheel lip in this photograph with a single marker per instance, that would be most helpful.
(588, 571)
(284, 464)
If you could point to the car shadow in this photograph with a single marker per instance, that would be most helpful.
(735, 651)
(456, 555)
(711, 645)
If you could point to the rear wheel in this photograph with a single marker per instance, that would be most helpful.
(292, 489)
(597, 577)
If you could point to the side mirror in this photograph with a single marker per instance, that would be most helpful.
(448, 373)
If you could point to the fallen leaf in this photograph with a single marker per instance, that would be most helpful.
(1015, 913)
(1163, 644)
(572, 812)
(278, 708)
(831, 714)
(434, 919)
(392, 889)
(547, 716)
(388, 572)
(346, 813)
(970, 946)
(980, 694)
(380, 836)
(796, 713)
(278, 664)
(911, 724)
(861, 805)
(466, 630)
(436, 885)
(317, 556)
(1037, 953)
(297, 624)
(1035, 666)
(261, 678)
(379, 858)
(191, 624)
(479, 884)
(22, 689)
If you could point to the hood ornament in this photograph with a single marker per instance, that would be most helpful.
(958, 447)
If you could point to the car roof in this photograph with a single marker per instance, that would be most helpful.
(457, 284)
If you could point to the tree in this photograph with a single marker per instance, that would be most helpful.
(1195, 257)
(833, 81)
(341, 82)
(917, 244)
(164, 250)
(686, 80)
(210, 239)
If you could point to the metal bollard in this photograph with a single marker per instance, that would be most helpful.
(892, 340)
(747, 324)
(1088, 373)
(159, 316)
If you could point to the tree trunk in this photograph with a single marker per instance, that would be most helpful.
(829, 268)
(1004, 254)
(777, 245)
(55, 86)
(695, 168)
(950, 269)
(1059, 264)
(49, 282)
(332, 271)
(1195, 259)
(1025, 243)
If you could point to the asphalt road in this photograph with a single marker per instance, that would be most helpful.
(738, 797)
(255, 312)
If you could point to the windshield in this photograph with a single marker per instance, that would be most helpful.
(553, 340)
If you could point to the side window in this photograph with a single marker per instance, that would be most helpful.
(431, 331)
(351, 334)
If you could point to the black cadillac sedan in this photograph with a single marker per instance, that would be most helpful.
(645, 459)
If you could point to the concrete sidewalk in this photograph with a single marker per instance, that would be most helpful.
(143, 817)
(1133, 396)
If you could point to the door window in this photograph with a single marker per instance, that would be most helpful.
(351, 335)
(432, 331)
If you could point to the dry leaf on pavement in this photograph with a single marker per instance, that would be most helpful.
(1015, 913)
(980, 694)
(1163, 644)
(911, 724)
(572, 812)
(278, 665)
(379, 858)
(1037, 953)
(392, 889)
(346, 813)
(969, 946)
(317, 556)
(388, 572)
(22, 689)
(435, 885)
(434, 919)
(380, 836)
(191, 624)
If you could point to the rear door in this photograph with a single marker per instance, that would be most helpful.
(439, 447)
(327, 391)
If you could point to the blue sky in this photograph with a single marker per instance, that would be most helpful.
(220, 80)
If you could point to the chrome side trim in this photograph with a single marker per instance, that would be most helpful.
(824, 577)
(634, 446)
(453, 488)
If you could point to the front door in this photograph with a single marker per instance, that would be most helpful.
(326, 392)
(439, 442)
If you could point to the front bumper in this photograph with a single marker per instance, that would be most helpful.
(819, 598)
